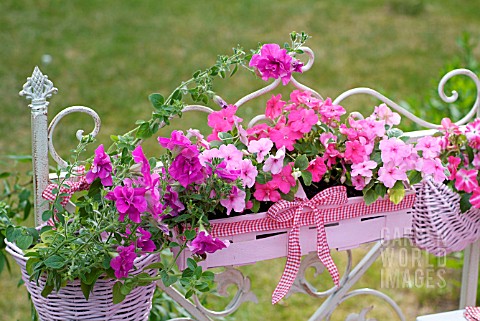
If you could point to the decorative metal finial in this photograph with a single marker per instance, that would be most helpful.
(38, 88)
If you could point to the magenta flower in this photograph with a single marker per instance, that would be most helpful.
(466, 180)
(143, 240)
(273, 62)
(224, 119)
(274, 106)
(475, 198)
(235, 201)
(452, 166)
(101, 168)
(248, 173)
(389, 174)
(171, 200)
(302, 120)
(274, 164)
(129, 200)
(186, 168)
(266, 192)
(305, 97)
(355, 152)
(123, 263)
(261, 147)
(205, 243)
(317, 168)
(225, 173)
(259, 131)
(284, 180)
(176, 143)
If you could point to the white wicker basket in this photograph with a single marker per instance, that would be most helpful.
(69, 303)
(439, 227)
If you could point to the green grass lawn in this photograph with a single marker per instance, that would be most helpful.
(110, 55)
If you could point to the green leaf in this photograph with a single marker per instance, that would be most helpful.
(397, 192)
(307, 178)
(192, 265)
(169, 279)
(414, 177)
(156, 265)
(301, 162)
(394, 132)
(46, 215)
(47, 290)
(381, 190)
(117, 293)
(465, 204)
(370, 196)
(256, 206)
(24, 241)
(157, 100)
(86, 289)
(190, 234)
(144, 131)
(55, 262)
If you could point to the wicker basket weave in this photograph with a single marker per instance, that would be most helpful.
(69, 303)
(439, 227)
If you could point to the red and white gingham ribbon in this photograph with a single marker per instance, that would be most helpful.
(472, 313)
(75, 184)
(292, 215)
(284, 211)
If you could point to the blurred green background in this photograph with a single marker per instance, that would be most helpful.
(110, 55)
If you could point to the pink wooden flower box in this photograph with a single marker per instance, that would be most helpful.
(251, 247)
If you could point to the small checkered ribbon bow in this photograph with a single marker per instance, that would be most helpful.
(472, 313)
(300, 211)
(66, 190)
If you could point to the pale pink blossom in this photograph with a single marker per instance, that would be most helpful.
(429, 146)
(235, 201)
(330, 112)
(389, 174)
(231, 155)
(274, 164)
(435, 168)
(371, 128)
(305, 98)
(364, 168)
(382, 112)
(262, 147)
(207, 156)
(248, 173)
(394, 150)
(359, 182)
(472, 132)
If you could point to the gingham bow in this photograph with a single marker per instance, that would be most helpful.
(300, 212)
(68, 187)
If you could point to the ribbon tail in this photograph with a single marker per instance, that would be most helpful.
(323, 250)
(291, 267)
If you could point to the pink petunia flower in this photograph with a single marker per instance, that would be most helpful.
(285, 137)
(354, 152)
(144, 241)
(129, 200)
(205, 243)
(274, 106)
(472, 131)
(466, 180)
(389, 174)
(186, 168)
(302, 120)
(274, 164)
(317, 168)
(364, 168)
(330, 112)
(274, 62)
(452, 166)
(101, 168)
(223, 120)
(371, 128)
(305, 98)
(359, 182)
(262, 147)
(176, 143)
(259, 131)
(284, 180)
(266, 192)
(231, 155)
(172, 200)
(235, 201)
(123, 263)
